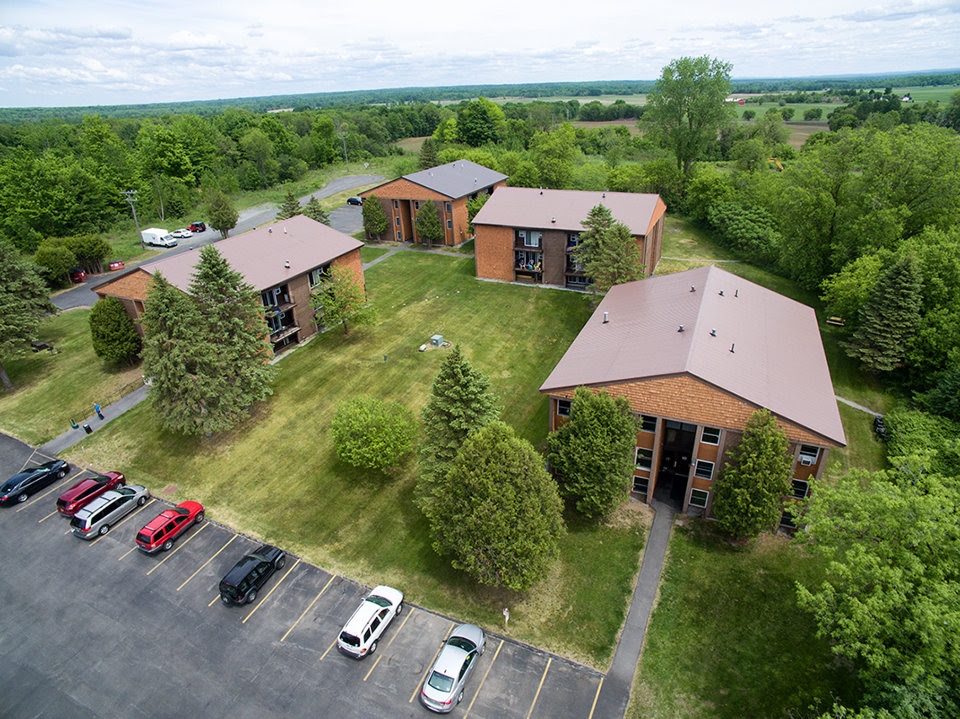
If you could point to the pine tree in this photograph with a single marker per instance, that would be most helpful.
(497, 512)
(290, 207)
(223, 216)
(748, 496)
(607, 251)
(460, 403)
(114, 337)
(889, 319)
(23, 303)
(314, 210)
(592, 455)
(428, 154)
(429, 225)
(374, 218)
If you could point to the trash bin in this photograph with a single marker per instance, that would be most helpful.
(73, 423)
(87, 428)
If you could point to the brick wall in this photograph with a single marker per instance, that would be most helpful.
(493, 249)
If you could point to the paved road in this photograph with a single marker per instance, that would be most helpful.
(346, 219)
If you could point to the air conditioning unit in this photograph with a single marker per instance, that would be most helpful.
(806, 461)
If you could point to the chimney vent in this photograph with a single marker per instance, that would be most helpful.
(284, 229)
(606, 317)
(713, 332)
(721, 293)
(736, 293)
(553, 219)
(680, 329)
(286, 264)
(269, 230)
(693, 288)
(731, 348)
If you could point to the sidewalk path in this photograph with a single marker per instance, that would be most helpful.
(615, 693)
(72, 436)
(857, 406)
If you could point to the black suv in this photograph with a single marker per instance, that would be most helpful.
(241, 583)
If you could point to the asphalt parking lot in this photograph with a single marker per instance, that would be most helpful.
(98, 629)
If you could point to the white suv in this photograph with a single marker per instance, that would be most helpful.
(362, 631)
(110, 507)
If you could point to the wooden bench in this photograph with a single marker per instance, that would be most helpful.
(836, 321)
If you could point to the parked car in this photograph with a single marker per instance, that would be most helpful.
(116, 265)
(197, 227)
(182, 234)
(241, 584)
(354, 200)
(78, 274)
(106, 510)
(159, 533)
(362, 631)
(443, 687)
(21, 485)
(87, 490)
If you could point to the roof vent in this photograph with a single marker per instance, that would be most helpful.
(731, 348)
(736, 293)
(474, 180)
(713, 332)
(680, 329)
(604, 195)
(286, 264)
(693, 288)
(541, 190)
(721, 293)
(269, 230)
(284, 229)
(553, 219)
(606, 317)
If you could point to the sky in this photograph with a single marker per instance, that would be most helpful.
(80, 53)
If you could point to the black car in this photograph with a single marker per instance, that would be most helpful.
(21, 485)
(240, 584)
(354, 201)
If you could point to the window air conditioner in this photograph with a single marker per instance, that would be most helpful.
(806, 461)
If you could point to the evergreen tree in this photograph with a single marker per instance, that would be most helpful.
(592, 454)
(374, 218)
(888, 321)
(339, 299)
(460, 403)
(223, 215)
(428, 154)
(290, 207)
(233, 321)
(314, 210)
(372, 434)
(497, 512)
(115, 339)
(23, 303)
(748, 496)
(429, 225)
(607, 251)
(474, 206)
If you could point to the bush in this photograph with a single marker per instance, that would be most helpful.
(372, 434)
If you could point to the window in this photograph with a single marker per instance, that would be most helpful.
(449, 224)
(704, 469)
(648, 423)
(573, 239)
(396, 221)
(396, 204)
(644, 459)
(699, 497)
(416, 204)
(710, 435)
(563, 407)
(800, 488)
(532, 239)
(787, 520)
(522, 236)
(317, 276)
(641, 485)
(448, 206)
(399, 235)
(809, 455)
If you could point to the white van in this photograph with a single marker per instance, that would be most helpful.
(158, 237)
(362, 631)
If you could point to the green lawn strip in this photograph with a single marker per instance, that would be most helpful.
(278, 478)
(51, 388)
(727, 638)
(369, 253)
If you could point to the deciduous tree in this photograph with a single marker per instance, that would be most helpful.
(114, 337)
(592, 454)
(497, 512)
(748, 495)
(340, 299)
(23, 304)
(372, 434)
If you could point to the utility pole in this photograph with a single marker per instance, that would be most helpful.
(343, 136)
(131, 197)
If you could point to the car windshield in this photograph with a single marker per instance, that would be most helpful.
(440, 682)
(465, 644)
(379, 601)
(349, 639)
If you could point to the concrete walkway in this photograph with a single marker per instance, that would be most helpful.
(73, 436)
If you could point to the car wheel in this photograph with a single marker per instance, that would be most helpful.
(198, 519)
(167, 545)
(280, 561)
(142, 501)
(225, 599)
(252, 596)
(460, 698)
(103, 530)
(62, 473)
(373, 648)
(399, 608)
(480, 653)
(23, 497)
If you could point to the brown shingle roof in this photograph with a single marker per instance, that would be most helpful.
(456, 179)
(260, 255)
(566, 209)
(777, 360)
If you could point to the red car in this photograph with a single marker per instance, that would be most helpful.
(78, 274)
(160, 531)
(86, 490)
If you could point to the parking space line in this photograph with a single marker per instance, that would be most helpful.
(46, 494)
(416, 689)
(179, 546)
(540, 686)
(206, 563)
(43, 519)
(596, 696)
(124, 519)
(132, 549)
(367, 675)
(272, 590)
(309, 607)
(477, 693)
(397, 631)
(332, 645)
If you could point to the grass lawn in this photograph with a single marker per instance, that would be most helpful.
(278, 478)
(727, 639)
(50, 389)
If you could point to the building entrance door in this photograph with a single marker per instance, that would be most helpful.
(676, 455)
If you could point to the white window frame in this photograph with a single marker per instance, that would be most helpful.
(564, 404)
(703, 435)
(396, 204)
(644, 418)
(449, 224)
(532, 238)
(648, 455)
(806, 457)
(449, 207)
(696, 470)
(693, 495)
(641, 485)
(795, 486)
